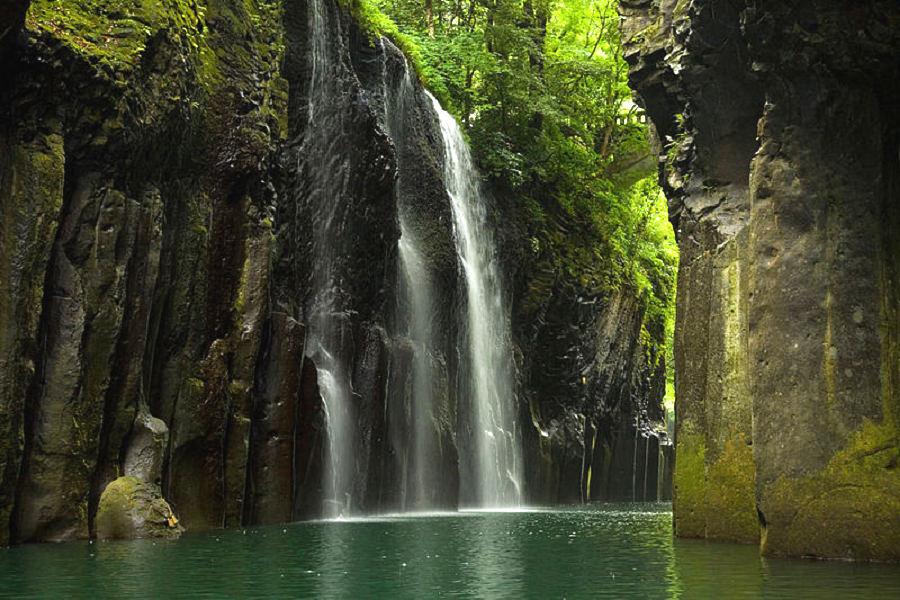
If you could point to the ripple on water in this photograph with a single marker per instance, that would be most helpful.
(605, 551)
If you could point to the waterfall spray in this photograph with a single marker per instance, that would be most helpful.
(415, 313)
(495, 477)
(326, 321)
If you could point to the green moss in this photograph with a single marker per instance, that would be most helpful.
(121, 491)
(689, 495)
(714, 497)
(195, 385)
(113, 34)
(849, 509)
(116, 504)
(730, 495)
(681, 8)
(241, 299)
(130, 508)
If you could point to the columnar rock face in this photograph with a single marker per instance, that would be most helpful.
(157, 262)
(591, 390)
(780, 157)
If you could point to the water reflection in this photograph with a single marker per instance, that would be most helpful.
(599, 552)
(334, 546)
(491, 564)
(712, 570)
(789, 578)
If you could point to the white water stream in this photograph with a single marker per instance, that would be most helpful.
(328, 182)
(495, 474)
(490, 449)
(416, 312)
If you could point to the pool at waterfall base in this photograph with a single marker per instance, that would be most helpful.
(596, 551)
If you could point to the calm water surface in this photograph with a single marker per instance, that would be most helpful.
(611, 551)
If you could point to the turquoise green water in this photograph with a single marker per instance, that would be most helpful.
(614, 551)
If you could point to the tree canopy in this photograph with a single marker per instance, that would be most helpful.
(541, 89)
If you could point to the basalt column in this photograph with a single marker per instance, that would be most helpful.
(823, 316)
(709, 137)
(779, 155)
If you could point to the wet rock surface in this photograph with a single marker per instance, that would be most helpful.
(781, 163)
(146, 449)
(156, 265)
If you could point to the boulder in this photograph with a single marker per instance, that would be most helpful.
(147, 449)
(131, 509)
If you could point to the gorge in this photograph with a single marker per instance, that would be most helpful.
(255, 267)
(267, 261)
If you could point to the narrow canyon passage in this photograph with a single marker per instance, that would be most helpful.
(370, 297)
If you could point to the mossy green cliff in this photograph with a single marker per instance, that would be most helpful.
(155, 254)
(779, 157)
(131, 127)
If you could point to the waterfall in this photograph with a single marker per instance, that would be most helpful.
(495, 475)
(326, 319)
(490, 440)
(634, 465)
(417, 294)
(415, 312)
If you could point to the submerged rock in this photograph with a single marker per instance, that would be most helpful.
(131, 509)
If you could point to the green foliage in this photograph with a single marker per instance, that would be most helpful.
(540, 87)
(113, 34)
(377, 24)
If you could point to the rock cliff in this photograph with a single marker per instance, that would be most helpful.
(779, 154)
(158, 249)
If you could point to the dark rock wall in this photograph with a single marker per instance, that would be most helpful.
(156, 259)
(591, 376)
(592, 398)
(781, 164)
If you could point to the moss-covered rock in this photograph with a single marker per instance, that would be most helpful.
(848, 509)
(715, 496)
(31, 196)
(786, 343)
(113, 35)
(131, 509)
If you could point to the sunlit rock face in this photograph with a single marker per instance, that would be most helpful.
(780, 161)
(218, 230)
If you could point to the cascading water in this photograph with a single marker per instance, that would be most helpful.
(415, 313)
(423, 468)
(490, 455)
(326, 321)
(496, 472)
